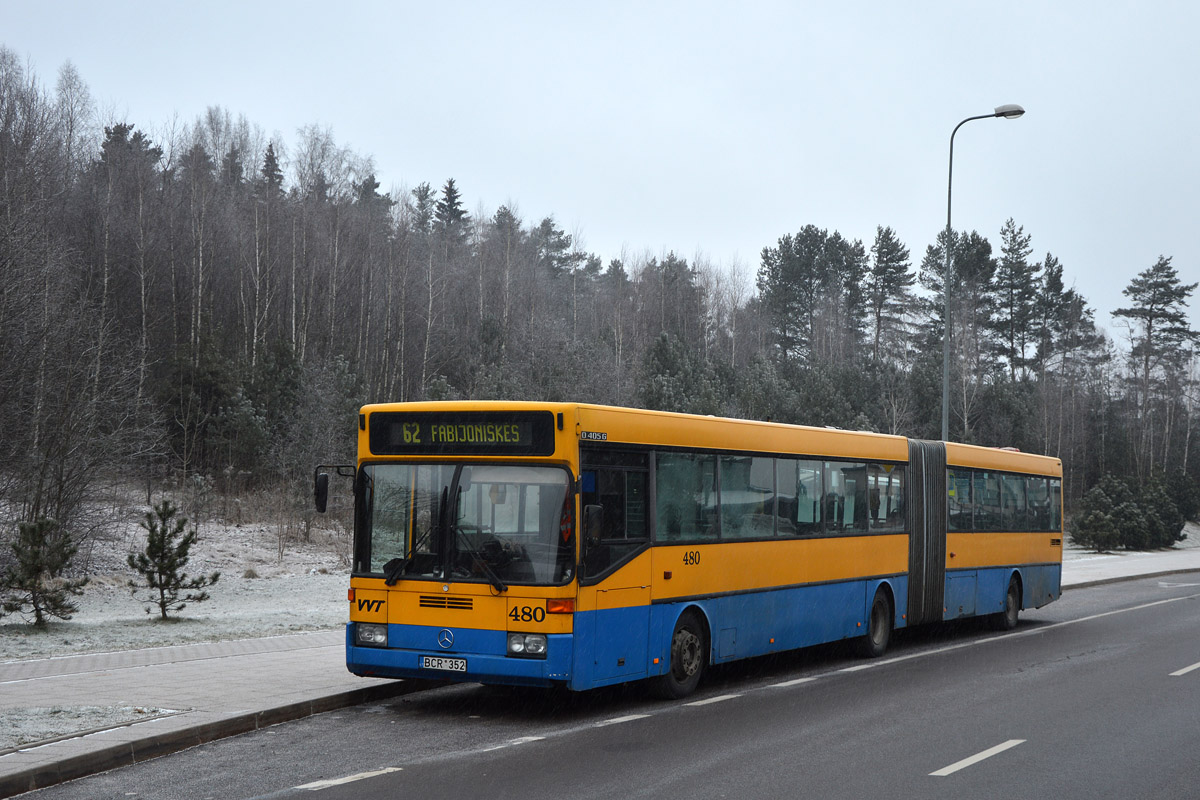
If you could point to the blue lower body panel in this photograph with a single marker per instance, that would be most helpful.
(485, 652)
(615, 645)
(983, 591)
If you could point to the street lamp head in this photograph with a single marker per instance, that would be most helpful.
(1009, 111)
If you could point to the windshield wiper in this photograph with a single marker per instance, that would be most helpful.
(394, 569)
(478, 558)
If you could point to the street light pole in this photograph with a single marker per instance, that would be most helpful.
(1008, 111)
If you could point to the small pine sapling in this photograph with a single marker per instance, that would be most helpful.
(35, 584)
(161, 564)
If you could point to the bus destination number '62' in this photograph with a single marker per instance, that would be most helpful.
(527, 614)
(691, 557)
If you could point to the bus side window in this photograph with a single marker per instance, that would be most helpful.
(1056, 504)
(959, 506)
(886, 487)
(845, 497)
(800, 487)
(685, 491)
(1013, 515)
(1039, 503)
(747, 497)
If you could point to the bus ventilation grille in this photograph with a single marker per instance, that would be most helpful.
(441, 601)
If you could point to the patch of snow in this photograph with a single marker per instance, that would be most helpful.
(303, 591)
(24, 726)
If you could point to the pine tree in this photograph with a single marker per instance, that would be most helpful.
(272, 175)
(35, 584)
(161, 564)
(1159, 337)
(450, 218)
(1016, 289)
(888, 289)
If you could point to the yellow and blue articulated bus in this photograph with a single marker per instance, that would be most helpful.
(545, 544)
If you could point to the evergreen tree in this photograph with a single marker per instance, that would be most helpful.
(35, 583)
(450, 218)
(1164, 522)
(673, 380)
(162, 562)
(889, 291)
(1185, 494)
(272, 175)
(1160, 340)
(1016, 296)
(1110, 517)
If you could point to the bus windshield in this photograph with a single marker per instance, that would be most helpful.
(481, 522)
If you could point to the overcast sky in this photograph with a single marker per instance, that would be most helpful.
(706, 129)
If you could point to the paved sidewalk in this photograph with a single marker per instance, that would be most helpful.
(226, 688)
(220, 689)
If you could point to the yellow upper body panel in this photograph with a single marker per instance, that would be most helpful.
(664, 429)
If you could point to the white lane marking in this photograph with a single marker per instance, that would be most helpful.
(511, 743)
(619, 720)
(795, 682)
(1185, 670)
(362, 776)
(716, 699)
(975, 759)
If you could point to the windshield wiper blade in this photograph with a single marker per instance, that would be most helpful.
(478, 558)
(394, 569)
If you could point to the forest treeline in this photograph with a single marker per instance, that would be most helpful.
(204, 304)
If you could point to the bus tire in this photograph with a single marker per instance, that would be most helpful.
(879, 626)
(1006, 620)
(689, 656)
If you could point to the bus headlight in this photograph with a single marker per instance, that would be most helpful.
(527, 645)
(370, 635)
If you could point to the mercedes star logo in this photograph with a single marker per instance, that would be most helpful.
(445, 637)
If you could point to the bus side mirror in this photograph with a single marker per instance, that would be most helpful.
(321, 490)
(593, 524)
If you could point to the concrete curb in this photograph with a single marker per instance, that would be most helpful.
(1126, 578)
(127, 753)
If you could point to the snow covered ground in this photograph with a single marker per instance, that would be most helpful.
(304, 590)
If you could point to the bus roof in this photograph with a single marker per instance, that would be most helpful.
(639, 426)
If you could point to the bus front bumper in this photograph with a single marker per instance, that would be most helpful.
(412, 649)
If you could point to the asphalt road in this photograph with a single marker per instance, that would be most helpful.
(1097, 695)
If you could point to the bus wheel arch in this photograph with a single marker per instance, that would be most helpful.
(1006, 620)
(880, 622)
(688, 654)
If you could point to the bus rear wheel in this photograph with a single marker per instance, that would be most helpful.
(689, 654)
(879, 627)
(1006, 620)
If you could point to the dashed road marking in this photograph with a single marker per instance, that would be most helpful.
(619, 720)
(362, 776)
(716, 699)
(975, 759)
(1185, 670)
(795, 682)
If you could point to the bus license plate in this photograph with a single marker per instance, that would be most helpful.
(447, 664)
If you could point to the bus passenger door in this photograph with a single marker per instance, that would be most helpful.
(616, 560)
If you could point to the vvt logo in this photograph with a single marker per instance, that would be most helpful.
(370, 605)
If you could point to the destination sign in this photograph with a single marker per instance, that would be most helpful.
(522, 433)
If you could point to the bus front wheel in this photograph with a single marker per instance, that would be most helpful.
(689, 654)
(879, 627)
